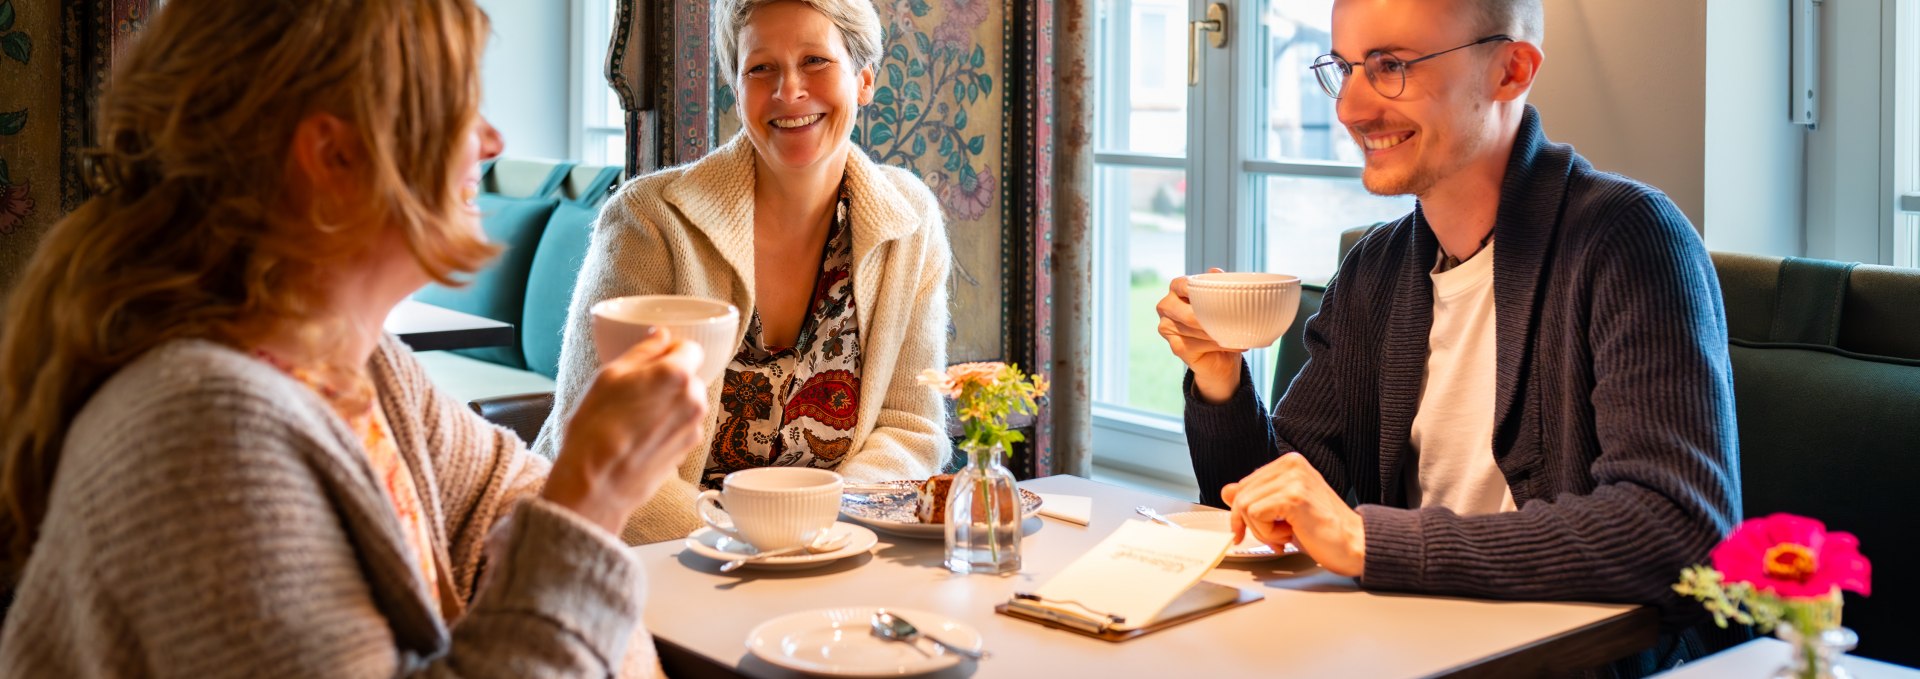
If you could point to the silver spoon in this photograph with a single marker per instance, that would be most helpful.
(822, 542)
(895, 628)
(1157, 517)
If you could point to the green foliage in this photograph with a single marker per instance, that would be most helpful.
(12, 123)
(927, 93)
(18, 46)
(6, 15)
(1740, 602)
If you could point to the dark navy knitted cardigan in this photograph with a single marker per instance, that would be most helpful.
(1614, 421)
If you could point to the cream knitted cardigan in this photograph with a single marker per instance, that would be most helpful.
(213, 518)
(689, 230)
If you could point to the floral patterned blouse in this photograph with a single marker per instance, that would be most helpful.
(796, 406)
(359, 409)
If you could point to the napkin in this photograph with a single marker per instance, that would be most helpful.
(1069, 508)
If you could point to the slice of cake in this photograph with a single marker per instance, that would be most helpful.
(932, 503)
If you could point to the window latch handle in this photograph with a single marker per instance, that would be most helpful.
(1216, 27)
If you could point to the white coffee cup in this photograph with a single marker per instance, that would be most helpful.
(621, 322)
(1244, 310)
(772, 507)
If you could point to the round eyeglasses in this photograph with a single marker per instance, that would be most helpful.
(1388, 73)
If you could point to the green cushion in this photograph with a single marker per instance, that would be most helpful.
(468, 379)
(1834, 436)
(499, 291)
(556, 266)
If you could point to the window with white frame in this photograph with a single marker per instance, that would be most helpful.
(1906, 133)
(1239, 163)
(598, 133)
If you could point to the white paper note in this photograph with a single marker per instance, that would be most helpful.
(1136, 571)
(1071, 508)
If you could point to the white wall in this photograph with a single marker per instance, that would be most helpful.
(525, 75)
(1844, 165)
(1755, 159)
(1624, 83)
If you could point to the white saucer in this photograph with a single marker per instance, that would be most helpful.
(839, 642)
(712, 544)
(1249, 549)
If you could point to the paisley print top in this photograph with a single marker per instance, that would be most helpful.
(795, 406)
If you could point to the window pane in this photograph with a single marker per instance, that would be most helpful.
(615, 150)
(1305, 215)
(1142, 80)
(1141, 219)
(1297, 120)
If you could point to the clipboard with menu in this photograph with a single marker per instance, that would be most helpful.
(1141, 579)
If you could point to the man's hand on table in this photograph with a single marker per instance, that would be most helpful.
(1288, 500)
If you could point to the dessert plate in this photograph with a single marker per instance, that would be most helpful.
(893, 511)
(839, 642)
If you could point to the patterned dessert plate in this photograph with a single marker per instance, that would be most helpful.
(892, 511)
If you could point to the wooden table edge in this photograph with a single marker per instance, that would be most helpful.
(1591, 645)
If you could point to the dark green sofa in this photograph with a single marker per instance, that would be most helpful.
(543, 212)
(1826, 381)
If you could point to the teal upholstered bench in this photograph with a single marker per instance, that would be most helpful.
(542, 212)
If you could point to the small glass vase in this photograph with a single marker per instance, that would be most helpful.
(1815, 656)
(983, 515)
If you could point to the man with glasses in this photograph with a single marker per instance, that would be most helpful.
(1519, 391)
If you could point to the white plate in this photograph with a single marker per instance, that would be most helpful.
(712, 544)
(894, 512)
(1249, 549)
(840, 642)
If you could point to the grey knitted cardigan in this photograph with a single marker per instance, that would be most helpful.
(1614, 421)
(212, 517)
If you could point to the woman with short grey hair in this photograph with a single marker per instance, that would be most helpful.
(838, 265)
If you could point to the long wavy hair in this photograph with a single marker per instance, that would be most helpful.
(192, 232)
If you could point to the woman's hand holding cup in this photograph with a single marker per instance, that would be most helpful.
(640, 416)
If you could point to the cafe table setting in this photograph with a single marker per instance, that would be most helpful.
(853, 577)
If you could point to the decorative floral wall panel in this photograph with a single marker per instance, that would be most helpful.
(54, 58)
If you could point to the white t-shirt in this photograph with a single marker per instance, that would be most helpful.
(1453, 427)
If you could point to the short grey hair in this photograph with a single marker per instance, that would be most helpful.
(1522, 19)
(859, 25)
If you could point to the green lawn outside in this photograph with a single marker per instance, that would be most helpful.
(1153, 373)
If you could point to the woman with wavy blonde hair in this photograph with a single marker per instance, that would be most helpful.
(212, 460)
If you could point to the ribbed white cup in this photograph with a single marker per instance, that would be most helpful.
(621, 322)
(1244, 310)
(773, 507)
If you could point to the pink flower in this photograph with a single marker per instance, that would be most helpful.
(956, 31)
(1792, 556)
(967, 196)
(940, 382)
(977, 374)
(16, 202)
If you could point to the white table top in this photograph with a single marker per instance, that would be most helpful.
(1760, 657)
(1312, 623)
(426, 327)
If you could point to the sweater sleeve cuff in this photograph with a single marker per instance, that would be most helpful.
(1396, 553)
(572, 573)
(1219, 435)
